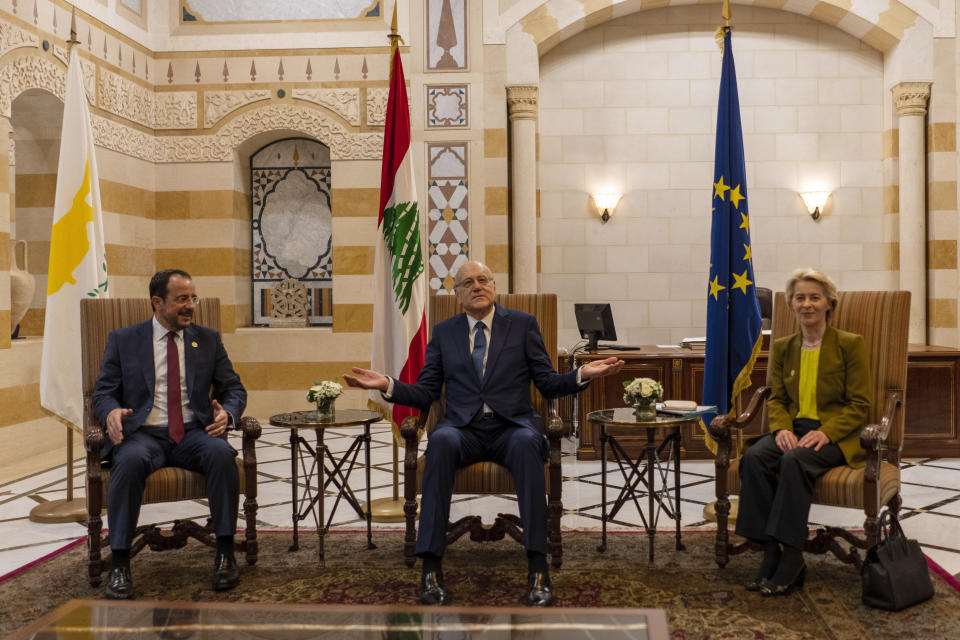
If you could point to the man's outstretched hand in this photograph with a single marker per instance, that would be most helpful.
(600, 368)
(366, 379)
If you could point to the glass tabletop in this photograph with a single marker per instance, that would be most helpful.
(310, 420)
(625, 417)
(114, 619)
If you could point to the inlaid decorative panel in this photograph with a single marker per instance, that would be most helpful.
(291, 225)
(447, 106)
(446, 35)
(448, 212)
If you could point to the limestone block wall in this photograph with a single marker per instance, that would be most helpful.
(630, 107)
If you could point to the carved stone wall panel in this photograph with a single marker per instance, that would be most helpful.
(12, 37)
(29, 72)
(219, 147)
(125, 99)
(343, 102)
(122, 139)
(217, 104)
(377, 105)
(175, 110)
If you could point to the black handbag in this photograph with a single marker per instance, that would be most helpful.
(895, 575)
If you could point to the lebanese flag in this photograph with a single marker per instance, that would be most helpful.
(400, 284)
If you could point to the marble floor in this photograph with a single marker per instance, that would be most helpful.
(930, 489)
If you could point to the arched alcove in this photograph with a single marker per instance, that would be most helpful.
(36, 119)
(291, 225)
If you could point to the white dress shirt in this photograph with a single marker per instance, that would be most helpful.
(158, 414)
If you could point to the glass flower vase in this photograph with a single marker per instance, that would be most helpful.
(645, 411)
(325, 409)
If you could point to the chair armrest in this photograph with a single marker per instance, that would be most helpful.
(874, 436)
(721, 426)
(554, 425)
(410, 427)
(93, 433)
(251, 429)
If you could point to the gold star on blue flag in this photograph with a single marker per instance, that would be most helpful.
(733, 311)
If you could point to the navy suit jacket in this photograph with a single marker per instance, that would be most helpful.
(127, 376)
(516, 355)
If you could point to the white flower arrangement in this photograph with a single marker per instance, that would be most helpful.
(326, 390)
(642, 391)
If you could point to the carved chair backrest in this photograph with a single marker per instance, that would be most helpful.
(882, 318)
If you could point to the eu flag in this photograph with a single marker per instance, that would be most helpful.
(733, 311)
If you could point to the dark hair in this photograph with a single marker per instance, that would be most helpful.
(159, 281)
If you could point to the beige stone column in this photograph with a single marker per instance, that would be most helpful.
(911, 102)
(5, 253)
(522, 102)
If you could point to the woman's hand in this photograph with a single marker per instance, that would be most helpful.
(786, 439)
(813, 440)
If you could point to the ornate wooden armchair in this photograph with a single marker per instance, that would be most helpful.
(487, 477)
(882, 318)
(98, 317)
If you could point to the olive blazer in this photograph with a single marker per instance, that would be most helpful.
(843, 388)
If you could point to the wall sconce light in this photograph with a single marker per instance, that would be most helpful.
(606, 203)
(815, 201)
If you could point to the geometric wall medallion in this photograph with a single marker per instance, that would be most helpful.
(447, 106)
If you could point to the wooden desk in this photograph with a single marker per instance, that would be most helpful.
(932, 414)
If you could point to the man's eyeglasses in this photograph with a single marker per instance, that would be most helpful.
(469, 282)
(184, 299)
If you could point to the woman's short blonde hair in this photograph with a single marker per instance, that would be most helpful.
(812, 275)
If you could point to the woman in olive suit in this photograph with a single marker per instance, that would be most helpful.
(820, 396)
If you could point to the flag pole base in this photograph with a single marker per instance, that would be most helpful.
(388, 510)
(710, 511)
(57, 511)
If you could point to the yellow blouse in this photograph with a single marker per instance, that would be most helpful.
(808, 384)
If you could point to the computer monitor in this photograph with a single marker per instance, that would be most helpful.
(595, 322)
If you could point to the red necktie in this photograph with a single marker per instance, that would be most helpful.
(174, 403)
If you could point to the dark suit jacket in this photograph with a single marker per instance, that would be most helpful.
(843, 388)
(127, 376)
(516, 355)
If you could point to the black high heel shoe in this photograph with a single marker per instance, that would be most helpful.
(758, 581)
(769, 588)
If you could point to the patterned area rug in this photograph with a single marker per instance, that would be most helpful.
(701, 600)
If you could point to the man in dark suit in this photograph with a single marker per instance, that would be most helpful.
(151, 423)
(488, 416)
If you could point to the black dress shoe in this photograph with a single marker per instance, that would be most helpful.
(770, 588)
(431, 589)
(119, 584)
(226, 575)
(539, 593)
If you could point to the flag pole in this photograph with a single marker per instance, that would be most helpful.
(68, 509)
(391, 509)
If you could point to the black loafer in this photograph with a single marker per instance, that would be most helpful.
(226, 575)
(431, 589)
(770, 588)
(119, 584)
(539, 593)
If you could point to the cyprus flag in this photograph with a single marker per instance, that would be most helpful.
(78, 265)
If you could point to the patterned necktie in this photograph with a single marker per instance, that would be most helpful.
(479, 348)
(174, 402)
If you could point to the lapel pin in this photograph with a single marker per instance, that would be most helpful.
(194, 344)
(791, 370)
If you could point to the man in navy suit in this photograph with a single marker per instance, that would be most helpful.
(488, 416)
(151, 423)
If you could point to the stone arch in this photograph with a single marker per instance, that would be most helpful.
(548, 24)
(23, 73)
